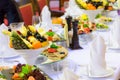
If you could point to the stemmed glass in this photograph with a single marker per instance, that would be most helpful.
(16, 25)
(35, 20)
(66, 4)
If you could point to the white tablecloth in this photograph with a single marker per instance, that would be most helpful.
(79, 59)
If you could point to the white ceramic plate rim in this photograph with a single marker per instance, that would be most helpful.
(9, 56)
(108, 73)
(114, 48)
(102, 30)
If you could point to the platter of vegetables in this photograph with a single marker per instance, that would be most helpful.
(25, 72)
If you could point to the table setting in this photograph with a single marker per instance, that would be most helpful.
(60, 53)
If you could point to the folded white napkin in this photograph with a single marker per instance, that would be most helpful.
(3, 27)
(73, 9)
(115, 34)
(3, 37)
(72, 3)
(97, 64)
(117, 74)
(69, 75)
(46, 17)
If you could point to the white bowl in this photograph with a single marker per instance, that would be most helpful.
(30, 55)
(92, 13)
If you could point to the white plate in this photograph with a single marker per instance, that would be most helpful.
(113, 48)
(9, 53)
(109, 72)
(44, 60)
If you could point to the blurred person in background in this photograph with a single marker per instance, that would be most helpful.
(9, 12)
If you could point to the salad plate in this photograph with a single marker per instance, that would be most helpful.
(9, 73)
(53, 53)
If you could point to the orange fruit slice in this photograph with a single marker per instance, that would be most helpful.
(36, 44)
(57, 20)
(44, 43)
(10, 44)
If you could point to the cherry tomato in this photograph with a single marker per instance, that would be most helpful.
(52, 50)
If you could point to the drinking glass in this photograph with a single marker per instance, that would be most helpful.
(66, 4)
(35, 20)
(16, 25)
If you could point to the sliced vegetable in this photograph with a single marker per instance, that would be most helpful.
(50, 33)
(51, 50)
(53, 46)
(31, 78)
(16, 75)
(2, 76)
(98, 16)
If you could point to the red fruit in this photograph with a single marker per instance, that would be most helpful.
(86, 30)
(50, 38)
(52, 50)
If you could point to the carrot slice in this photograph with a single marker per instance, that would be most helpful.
(31, 78)
(16, 75)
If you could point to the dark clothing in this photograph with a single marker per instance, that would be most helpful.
(9, 9)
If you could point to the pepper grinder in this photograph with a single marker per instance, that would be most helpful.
(69, 21)
(75, 39)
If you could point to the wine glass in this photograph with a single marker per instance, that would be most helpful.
(35, 20)
(66, 4)
(16, 25)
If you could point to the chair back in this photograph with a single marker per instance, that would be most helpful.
(41, 4)
(27, 13)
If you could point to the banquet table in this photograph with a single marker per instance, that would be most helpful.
(77, 61)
